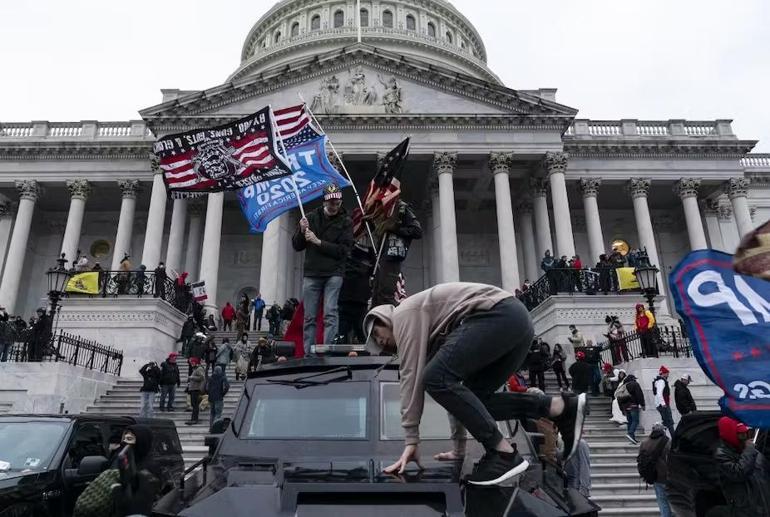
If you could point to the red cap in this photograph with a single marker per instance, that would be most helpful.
(173, 354)
(580, 356)
(729, 429)
(607, 367)
(195, 361)
(663, 370)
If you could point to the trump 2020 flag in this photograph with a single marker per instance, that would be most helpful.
(728, 318)
(264, 202)
(227, 157)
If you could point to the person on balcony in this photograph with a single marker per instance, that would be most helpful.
(161, 277)
(123, 277)
(577, 266)
(605, 270)
(644, 324)
(548, 265)
(228, 315)
(139, 279)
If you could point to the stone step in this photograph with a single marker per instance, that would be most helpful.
(615, 478)
(598, 458)
(637, 511)
(626, 501)
(621, 489)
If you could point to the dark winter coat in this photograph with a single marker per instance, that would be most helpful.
(651, 445)
(582, 375)
(151, 375)
(538, 358)
(744, 478)
(406, 228)
(188, 329)
(683, 398)
(636, 393)
(336, 234)
(169, 374)
(217, 387)
(198, 347)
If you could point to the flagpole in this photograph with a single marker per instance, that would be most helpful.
(342, 164)
(293, 181)
(358, 17)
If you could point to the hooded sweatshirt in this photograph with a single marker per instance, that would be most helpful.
(420, 325)
(743, 472)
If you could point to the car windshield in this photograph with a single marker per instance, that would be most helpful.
(29, 445)
(328, 412)
(434, 424)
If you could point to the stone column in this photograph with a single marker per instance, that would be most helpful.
(528, 241)
(193, 251)
(79, 190)
(556, 165)
(212, 239)
(539, 189)
(176, 235)
(444, 166)
(435, 229)
(730, 237)
(272, 271)
(639, 188)
(590, 189)
(129, 190)
(738, 191)
(711, 214)
(687, 190)
(156, 218)
(29, 191)
(7, 211)
(500, 163)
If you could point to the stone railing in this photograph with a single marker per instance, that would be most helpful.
(81, 130)
(756, 161)
(582, 128)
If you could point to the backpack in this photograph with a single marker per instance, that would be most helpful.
(646, 462)
(622, 394)
(97, 499)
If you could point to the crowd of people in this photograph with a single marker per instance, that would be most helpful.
(22, 340)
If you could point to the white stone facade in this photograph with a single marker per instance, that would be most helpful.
(496, 175)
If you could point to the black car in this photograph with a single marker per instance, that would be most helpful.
(311, 438)
(47, 461)
(693, 480)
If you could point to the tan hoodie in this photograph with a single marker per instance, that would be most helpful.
(420, 325)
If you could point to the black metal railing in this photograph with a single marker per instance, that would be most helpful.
(659, 341)
(70, 349)
(572, 281)
(140, 284)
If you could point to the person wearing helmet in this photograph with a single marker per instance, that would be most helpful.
(326, 237)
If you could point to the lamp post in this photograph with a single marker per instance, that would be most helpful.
(647, 276)
(58, 276)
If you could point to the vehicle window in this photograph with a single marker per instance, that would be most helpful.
(29, 445)
(165, 442)
(88, 441)
(434, 424)
(330, 412)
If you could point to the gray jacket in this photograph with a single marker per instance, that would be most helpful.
(197, 380)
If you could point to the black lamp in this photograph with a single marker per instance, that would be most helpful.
(58, 276)
(647, 276)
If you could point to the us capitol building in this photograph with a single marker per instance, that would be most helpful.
(496, 175)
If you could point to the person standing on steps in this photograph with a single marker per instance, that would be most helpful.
(151, 384)
(225, 354)
(217, 388)
(169, 382)
(196, 385)
(582, 374)
(652, 463)
(274, 321)
(662, 393)
(536, 363)
(228, 315)
(631, 400)
(258, 305)
(557, 363)
(460, 342)
(682, 397)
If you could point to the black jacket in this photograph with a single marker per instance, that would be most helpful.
(169, 374)
(151, 375)
(637, 395)
(217, 387)
(744, 480)
(683, 398)
(582, 375)
(336, 234)
(405, 228)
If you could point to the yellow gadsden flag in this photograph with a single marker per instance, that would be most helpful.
(627, 279)
(85, 283)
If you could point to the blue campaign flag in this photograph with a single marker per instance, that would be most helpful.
(263, 202)
(728, 319)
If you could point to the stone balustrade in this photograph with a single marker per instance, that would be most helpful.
(756, 161)
(79, 130)
(582, 128)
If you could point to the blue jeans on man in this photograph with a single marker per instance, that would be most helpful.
(167, 392)
(315, 289)
(667, 418)
(216, 411)
(633, 421)
(662, 498)
(5, 349)
(148, 404)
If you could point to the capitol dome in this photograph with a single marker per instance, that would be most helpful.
(430, 30)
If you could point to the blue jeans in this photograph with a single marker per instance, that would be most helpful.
(313, 287)
(633, 421)
(216, 411)
(667, 419)
(662, 497)
(5, 349)
(148, 404)
(167, 391)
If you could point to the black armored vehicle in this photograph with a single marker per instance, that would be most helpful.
(310, 438)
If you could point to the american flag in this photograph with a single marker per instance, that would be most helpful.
(234, 155)
(384, 191)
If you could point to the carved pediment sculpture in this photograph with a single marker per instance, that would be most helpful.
(359, 94)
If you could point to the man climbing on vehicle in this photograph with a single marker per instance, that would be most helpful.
(460, 342)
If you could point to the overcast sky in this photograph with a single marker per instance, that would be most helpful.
(652, 59)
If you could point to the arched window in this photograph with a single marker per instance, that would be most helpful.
(339, 19)
(449, 37)
(263, 43)
(463, 45)
(315, 22)
(364, 18)
(387, 19)
(295, 29)
(411, 23)
(277, 37)
(431, 30)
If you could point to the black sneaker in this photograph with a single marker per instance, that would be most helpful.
(570, 422)
(496, 467)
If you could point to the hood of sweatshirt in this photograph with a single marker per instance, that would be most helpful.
(383, 313)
